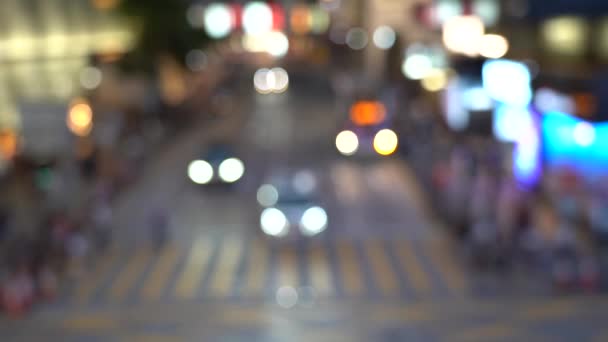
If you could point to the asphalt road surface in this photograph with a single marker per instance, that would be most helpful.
(383, 271)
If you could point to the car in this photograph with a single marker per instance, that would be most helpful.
(218, 164)
(290, 206)
(367, 131)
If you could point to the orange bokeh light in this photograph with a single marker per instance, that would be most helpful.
(80, 118)
(301, 19)
(367, 113)
(9, 143)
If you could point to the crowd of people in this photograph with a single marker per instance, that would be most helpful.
(557, 227)
(61, 246)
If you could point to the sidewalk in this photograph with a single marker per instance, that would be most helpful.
(65, 243)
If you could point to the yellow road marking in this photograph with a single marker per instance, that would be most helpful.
(158, 279)
(412, 188)
(128, 276)
(486, 333)
(190, 279)
(91, 282)
(287, 267)
(225, 272)
(451, 273)
(320, 273)
(412, 267)
(91, 323)
(600, 337)
(384, 275)
(257, 268)
(552, 310)
(407, 314)
(347, 181)
(350, 267)
(150, 338)
(243, 316)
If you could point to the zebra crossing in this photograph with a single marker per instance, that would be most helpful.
(239, 267)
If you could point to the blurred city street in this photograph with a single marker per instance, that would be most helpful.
(385, 270)
(303, 170)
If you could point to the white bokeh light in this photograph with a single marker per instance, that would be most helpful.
(257, 18)
(90, 77)
(274, 222)
(314, 221)
(275, 80)
(447, 9)
(493, 46)
(281, 80)
(274, 43)
(507, 81)
(347, 143)
(417, 66)
(277, 44)
(267, 195)
(356, 38)
(584, 134)
(231, 170)
(200, 172)
(488, 11)
(271, 80)
(218, 21)
(287, 297)
(462, 34)
(260, 81)
(384, 37)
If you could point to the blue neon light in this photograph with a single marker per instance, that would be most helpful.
(569, 141)
(507, 82)
(527, 166)
(509, 122)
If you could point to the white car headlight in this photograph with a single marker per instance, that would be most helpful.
(347, 143)
(231, 170)
(313, 221)
(274, 222)
(200, 172)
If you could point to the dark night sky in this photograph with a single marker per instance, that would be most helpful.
(548, 8)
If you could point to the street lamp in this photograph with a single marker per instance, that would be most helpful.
(80, 118)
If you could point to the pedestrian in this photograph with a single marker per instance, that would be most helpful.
(18, 292)
(102, 225)
(483, 242)
(158, 220)
(47, 282)
(458, 189)
(568, 201)
(483, 201)
(564, 263)
(589, 273)
(77, 250)
(598, 216)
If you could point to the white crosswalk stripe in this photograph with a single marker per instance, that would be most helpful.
(330, 268)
